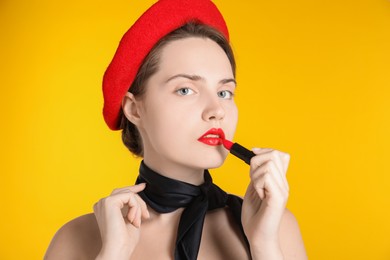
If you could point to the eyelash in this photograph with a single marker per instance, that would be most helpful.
(231, 94)
(179, 92)
(181, 89)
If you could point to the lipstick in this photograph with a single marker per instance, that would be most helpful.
(238, 150)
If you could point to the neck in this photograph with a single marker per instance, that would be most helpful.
(176, 171)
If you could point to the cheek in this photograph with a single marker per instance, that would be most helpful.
(235, 112)
(232, 113)
(231, 121)
(163, 123)
(169, 133)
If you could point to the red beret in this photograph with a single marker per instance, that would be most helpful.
(159, 20)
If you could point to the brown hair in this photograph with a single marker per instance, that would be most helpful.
(130, 134)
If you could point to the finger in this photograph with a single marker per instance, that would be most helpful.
(285, 157)
(263, 155)
(95, 207)
(269, 168)
(275, 165)
(125, 210)
(279, 176)
(141, 203)
(274, 193)
(269, 189)
(133, 208)
(258, 179)
(119, 201)
(137, 219)
(260, 150)
(282, 161)
(133, 215)
(258, 186)
(135, 189)
(144, 207)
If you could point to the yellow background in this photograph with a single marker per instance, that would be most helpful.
(313, 81)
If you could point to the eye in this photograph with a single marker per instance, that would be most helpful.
(184, 91)
(225, 94)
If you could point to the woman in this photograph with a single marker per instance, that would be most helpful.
(179, 108)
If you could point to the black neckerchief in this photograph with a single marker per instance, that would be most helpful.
(165, 195)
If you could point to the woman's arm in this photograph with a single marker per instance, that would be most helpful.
(290, 245)
(290, 238)
(266, 222)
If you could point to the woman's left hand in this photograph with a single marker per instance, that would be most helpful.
(265, 200)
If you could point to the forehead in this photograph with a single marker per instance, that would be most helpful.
(194, 55)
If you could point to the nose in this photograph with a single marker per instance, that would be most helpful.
(213, 109)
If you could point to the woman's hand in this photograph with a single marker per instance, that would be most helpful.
(265, 201)
(119, 218)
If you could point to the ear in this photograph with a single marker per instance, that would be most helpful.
(131, 108)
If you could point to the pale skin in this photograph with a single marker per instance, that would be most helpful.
(191, 92)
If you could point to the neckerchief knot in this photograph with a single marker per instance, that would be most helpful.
(166, 195)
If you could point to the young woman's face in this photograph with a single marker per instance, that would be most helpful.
(191, 93)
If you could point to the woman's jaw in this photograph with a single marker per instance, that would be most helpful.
(189, 163)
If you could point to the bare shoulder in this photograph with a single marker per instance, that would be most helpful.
(77, 239)
(290, 237)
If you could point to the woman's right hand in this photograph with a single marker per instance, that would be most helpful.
(119, 218)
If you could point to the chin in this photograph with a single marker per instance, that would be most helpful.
(213, 161)
(214, 166)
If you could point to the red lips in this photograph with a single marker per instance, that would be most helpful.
(213, 137)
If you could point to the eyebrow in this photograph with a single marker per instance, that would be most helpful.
(199, 78)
